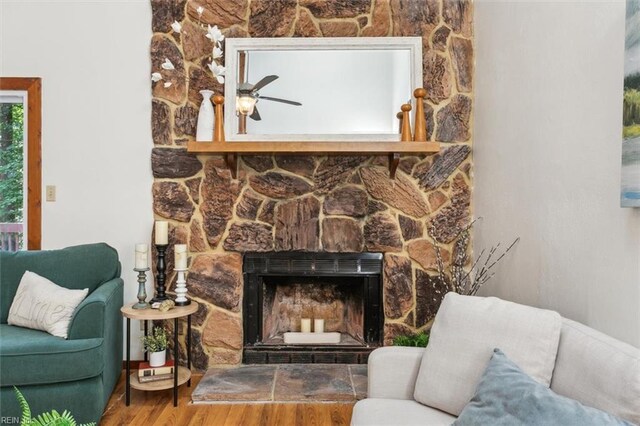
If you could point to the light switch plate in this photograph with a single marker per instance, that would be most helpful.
(51, 192)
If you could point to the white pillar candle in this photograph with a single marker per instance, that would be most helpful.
(305, 325)
(142, 256)
(318, 326)
(181, 256)
(162, 233)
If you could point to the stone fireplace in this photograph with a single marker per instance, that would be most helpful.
(343, 289)
(315, 204)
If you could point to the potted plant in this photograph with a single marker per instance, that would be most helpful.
(418, 340)
(156, 344)
(49, 418)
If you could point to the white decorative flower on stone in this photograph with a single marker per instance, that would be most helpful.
(218, 71)
(200, 10)
(214, 34)
(167, 65)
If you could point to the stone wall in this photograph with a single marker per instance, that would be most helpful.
(334, 204)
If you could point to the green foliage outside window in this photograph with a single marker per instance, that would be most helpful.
(11, 162)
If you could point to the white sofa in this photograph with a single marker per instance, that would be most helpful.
(590, 367)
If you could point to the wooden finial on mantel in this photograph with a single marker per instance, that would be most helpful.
(420, 133)
(399, 117)
(218, 127)
(406, 123)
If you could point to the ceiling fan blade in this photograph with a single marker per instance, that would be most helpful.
(255, 115)
(284, 101)
(266, 80)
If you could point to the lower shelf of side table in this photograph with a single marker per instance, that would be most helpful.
(184, 374)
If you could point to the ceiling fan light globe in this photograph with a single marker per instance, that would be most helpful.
(245, 104)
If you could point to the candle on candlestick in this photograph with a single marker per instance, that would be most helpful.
(305, 325)
(162, 243)
(162, 233)
(181, 256)
(142, 256)
(318, 326)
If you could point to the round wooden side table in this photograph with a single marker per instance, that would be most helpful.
(182, 374)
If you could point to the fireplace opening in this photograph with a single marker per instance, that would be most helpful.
(281, 289)
(337, 301)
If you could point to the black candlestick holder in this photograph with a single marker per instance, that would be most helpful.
(161, 266)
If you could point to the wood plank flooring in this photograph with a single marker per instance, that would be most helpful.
(156, 408)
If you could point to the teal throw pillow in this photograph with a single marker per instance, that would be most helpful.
(507, 396)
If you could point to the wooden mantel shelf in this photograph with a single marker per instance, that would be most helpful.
(393, 149)
(313, 148)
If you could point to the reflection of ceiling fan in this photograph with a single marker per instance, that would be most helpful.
(248, 96)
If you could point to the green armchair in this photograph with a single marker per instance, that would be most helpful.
(77, 374)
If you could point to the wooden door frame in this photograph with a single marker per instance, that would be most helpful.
(33, 87)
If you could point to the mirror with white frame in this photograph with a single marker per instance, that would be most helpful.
(319, 89)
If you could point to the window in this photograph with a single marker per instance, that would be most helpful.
(20, 163)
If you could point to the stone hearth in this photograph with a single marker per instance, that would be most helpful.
(283, 383)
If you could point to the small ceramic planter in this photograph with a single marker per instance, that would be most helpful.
(157, 359)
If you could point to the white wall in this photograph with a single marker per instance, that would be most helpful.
(93, 57)
(547, 159)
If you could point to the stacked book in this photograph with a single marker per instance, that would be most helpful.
(147, 374)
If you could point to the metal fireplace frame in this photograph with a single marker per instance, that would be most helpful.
(367, 266)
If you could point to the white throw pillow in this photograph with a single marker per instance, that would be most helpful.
(43, 305)
(465, 332)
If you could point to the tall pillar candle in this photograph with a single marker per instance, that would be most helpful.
(142, 256)
(305, 325)
(181, 256)
(162, 233)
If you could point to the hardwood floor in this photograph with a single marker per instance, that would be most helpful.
(156, 408)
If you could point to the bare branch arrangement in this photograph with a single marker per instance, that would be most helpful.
(469, 282)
